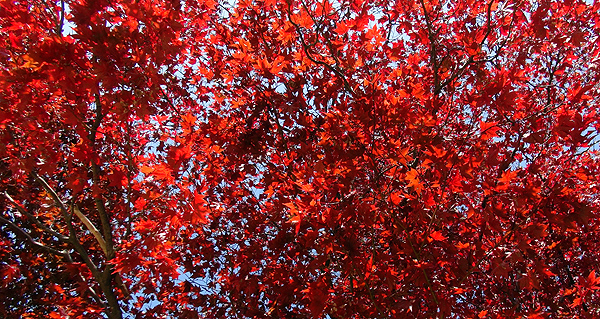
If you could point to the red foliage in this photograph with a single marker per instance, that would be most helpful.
(299, 159)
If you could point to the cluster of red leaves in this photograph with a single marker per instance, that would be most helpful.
(293, 158)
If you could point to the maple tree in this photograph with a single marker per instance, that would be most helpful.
(299, 159)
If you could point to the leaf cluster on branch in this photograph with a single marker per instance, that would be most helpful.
(299, 159)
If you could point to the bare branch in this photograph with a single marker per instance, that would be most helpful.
(72, 232)
(22, 233)
(54, 195)
(433, 49)
(32, 218)
(61, 22)
(108, 247)
(91, 228)
(104, 220)
(97, 120)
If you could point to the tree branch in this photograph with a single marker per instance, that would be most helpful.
(91, 228)
(100, 206)
(418, 257)
(22, 233)
(433, 49)
(61, 22)
(104, 220)
(32, 218)
(104, 277)
(310, 57)
(471, 59)
(54, 195)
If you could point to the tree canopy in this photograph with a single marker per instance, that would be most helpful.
(299, 159)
